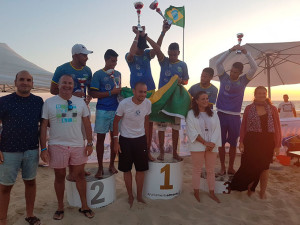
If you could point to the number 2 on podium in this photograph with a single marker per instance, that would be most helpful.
(166, 170)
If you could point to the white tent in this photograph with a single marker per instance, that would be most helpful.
(11, 63)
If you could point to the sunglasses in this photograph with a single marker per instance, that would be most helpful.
(70, 106)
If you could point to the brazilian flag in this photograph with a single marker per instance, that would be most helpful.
(176, 14)
(170, 101)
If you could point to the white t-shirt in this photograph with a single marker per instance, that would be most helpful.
(132, 123)
(286, 109)
(65, 125)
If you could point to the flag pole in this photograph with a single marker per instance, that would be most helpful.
(183, 45)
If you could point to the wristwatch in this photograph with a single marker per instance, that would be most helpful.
(89, 144)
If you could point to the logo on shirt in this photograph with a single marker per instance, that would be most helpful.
(139, 74)
(107, 87)
(145, 58)
(106, 78)
(137, 66)
(138, 112)
(168, 73)
(227, 87)
(179, 69)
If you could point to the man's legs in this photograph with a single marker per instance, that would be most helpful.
(161, 141)
(175, 136)
(4, 199)
(100, 152)
(30, 193)
(78, 174)
(139, 179)
(59, 186)
(232, 153)
(128, 184)
(112, 167)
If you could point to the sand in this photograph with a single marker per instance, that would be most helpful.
(282, 205)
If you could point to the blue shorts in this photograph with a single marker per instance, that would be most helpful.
(27, 161)
(230, 128)
(104, 121)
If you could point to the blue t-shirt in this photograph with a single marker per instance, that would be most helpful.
(231, 93)
(211, 91)
(67, 68)
(140, 70)
(168, 70)
(20, 117)
(102, 82)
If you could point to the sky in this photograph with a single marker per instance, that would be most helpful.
(44, 32)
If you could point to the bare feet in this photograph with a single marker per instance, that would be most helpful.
(99, 173)
(130, 200)
(177, 157)
(222, 172)
(87, 173)
(262, 195)
(161, 156)
(140, 199)
(196, 194)
(249, 193)
(112, 169)
(150, 157)
(214, 197)
(231, 171)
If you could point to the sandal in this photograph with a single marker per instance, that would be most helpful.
(58, 215)
(88, 213)
(33, 220)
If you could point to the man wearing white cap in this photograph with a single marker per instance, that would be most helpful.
(77, 69)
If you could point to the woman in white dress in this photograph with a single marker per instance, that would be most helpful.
(204, 133)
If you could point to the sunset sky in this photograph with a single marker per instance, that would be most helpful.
(44, 32)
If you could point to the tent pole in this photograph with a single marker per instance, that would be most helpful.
(268, 74)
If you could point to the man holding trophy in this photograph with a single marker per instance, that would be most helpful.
(138, 59)
(229, 102)
(170, 66)
(106, 85)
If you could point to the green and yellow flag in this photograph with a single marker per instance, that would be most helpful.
(176, 14)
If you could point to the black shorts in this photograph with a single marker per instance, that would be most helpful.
(134, 150)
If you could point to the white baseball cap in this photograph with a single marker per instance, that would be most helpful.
(80, 49)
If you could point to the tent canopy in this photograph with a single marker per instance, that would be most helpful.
(11, 63)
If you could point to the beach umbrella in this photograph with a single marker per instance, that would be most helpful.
(278, 63)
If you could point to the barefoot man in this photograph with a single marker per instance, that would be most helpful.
(133, 115)
(170, 66)
(106, 86)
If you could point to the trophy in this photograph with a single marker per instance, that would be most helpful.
(154, 6)
(116, 80)
(239, 36)
(138, 6)
(82, 82)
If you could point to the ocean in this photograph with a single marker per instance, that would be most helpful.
(245, 103)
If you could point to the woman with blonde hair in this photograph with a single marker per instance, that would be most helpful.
(204, 133)
(260, 134)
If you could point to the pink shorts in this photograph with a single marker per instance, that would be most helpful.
(63, 156)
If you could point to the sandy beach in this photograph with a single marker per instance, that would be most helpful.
(281, 206)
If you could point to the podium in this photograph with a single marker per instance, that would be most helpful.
(163, 180)
(99, 192)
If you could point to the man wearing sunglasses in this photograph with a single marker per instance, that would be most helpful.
(65, 113)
